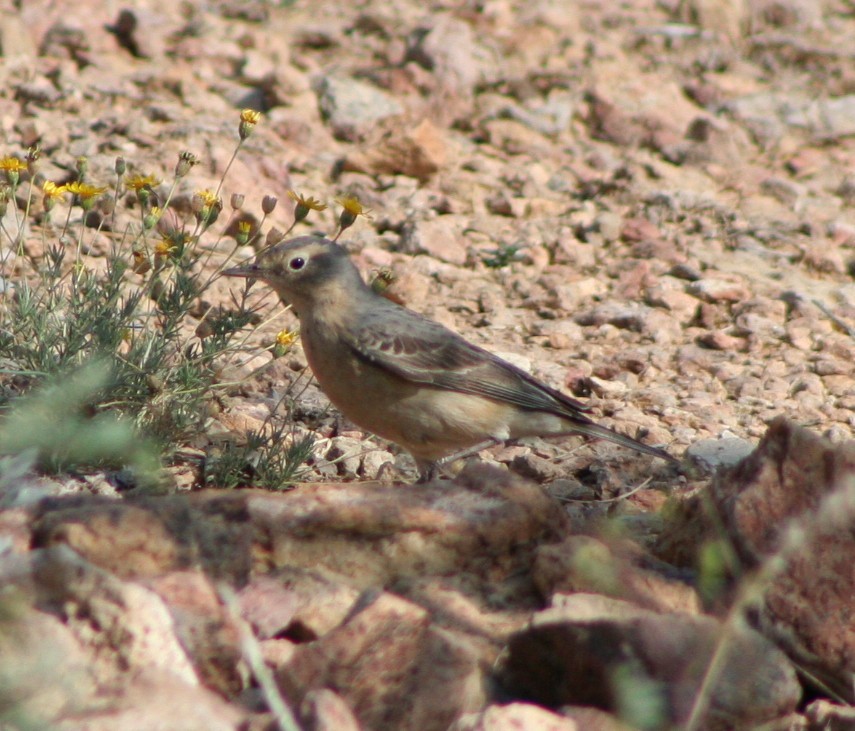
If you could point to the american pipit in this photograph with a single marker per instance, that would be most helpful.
(406, 378)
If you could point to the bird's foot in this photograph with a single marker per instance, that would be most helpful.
(429, 471)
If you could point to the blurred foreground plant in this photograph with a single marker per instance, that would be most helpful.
(59, 427)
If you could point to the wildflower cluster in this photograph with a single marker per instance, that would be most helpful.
(143, 315)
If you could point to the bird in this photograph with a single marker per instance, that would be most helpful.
(404, 377)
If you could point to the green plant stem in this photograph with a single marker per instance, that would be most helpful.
(22, 225)
(252, 654)
(228, 167)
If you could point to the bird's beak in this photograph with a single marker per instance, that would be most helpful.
(250, 271)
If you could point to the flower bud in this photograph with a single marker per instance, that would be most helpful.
(186, 161)
(248, 119)
(82, 167)
(268, 204)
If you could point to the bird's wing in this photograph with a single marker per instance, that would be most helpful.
(424, 351)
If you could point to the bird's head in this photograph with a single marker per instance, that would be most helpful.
(305, 271)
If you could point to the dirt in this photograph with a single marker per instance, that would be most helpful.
(648, 205)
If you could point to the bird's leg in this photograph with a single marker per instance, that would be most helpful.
(431, 470)
(428, 471)
(469, 451)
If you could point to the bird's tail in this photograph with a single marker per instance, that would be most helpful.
(590, 429)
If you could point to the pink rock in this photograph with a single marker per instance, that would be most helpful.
(515, 717)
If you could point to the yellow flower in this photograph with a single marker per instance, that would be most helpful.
(12, 164)
(144, 186)
(85, 194)
(84, 191)
(170, 246)
(309, 201)
(137, 182)
(206, 207)
(243, 232)
(164, 247)
(52, 193)
(52, 190)
(248, 119)
(304, 205)
(352, 206)
(286, 338)
(151, 218)
(207, 198)
(351, 209)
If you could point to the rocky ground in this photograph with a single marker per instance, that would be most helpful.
(648, 205)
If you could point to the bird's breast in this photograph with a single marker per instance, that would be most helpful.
(429, 422)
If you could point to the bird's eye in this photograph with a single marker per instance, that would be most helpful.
(297, 263)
